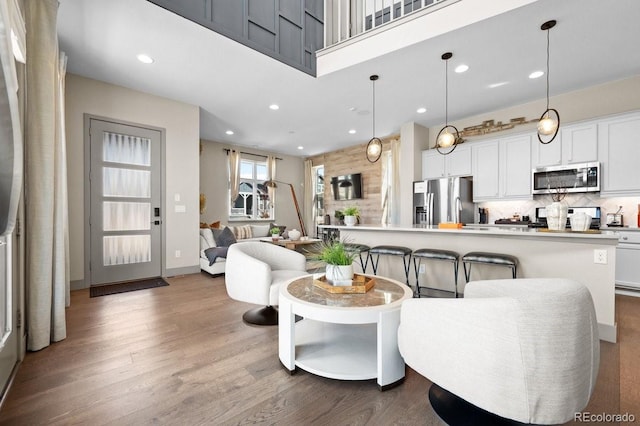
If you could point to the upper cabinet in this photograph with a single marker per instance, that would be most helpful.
(575, 143)
(502, 169)
(619, 155)
(436, 165)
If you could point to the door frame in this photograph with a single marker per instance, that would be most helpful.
(87, 190)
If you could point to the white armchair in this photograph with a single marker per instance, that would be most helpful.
(254, 272)
(523, 349)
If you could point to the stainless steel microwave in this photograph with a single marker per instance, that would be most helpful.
(583, 177)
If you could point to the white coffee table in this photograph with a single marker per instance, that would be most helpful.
(343, 336)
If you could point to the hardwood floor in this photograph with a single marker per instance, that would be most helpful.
(182, 355)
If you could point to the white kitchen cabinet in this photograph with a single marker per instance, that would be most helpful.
(575, 143)
(436, 165)
(619, 155)
(515, 167)
(486, 175)
(502, 169)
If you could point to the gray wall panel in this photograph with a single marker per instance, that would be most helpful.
(287, 30)
(262, 37)
(290, 38)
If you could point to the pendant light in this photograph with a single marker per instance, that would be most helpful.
(448, 136)
(374, 147)
(550, 119)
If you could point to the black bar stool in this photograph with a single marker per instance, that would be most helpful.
(484, 258)
(435, 254)
(359, 249)
(405, 252)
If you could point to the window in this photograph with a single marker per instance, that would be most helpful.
(318, 195)
(253, 201)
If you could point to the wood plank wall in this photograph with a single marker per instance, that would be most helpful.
(353, 160)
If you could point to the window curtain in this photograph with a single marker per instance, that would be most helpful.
(309, 195)
(390, 187)
(234, 175)
(271, 175)
(11, 146)
(47, 257)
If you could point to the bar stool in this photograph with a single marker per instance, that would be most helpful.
(484, 258)
(435, 254)
(359, 249)
(391, 251)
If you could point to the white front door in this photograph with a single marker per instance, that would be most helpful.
(125, 218)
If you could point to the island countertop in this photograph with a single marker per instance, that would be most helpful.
(586, 257)
(602, 236)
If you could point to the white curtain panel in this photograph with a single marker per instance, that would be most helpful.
(11, 154)
(385, 190)
(234, 175)
(271, 175)
(394, 183)
(309, 192)
(46, 208)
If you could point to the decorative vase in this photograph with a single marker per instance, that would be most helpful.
(557, 215)
(275, 237)
(294, 235)
(350, 220)
(339, 275)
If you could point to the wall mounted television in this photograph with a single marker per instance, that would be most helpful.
(347, 187)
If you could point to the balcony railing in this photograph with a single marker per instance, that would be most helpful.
(345, 19)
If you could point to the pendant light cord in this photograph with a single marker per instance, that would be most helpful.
(548, 69)
(374, 109)
(446, 92)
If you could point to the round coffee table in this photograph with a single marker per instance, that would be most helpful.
(343, 336)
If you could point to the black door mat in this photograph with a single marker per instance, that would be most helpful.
(104, 290)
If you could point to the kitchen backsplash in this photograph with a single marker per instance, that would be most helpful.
(507, 209)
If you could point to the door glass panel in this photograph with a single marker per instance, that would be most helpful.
(126, 183)
(124, 216)
(126, 249)
(118, 148)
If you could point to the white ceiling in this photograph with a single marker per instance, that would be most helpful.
(595, 41)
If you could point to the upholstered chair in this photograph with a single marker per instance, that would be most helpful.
(519, 349)
(254, 272)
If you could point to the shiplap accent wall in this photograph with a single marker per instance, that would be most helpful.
(353, 160)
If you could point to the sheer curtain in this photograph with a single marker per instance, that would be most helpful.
(234, 175)
(271, 175)
(390, 188)
(45, 176)
(309, 194)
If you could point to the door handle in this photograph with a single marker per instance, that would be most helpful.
(156, 222)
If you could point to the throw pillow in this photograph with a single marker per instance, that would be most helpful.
(242, 232)
(225, 238)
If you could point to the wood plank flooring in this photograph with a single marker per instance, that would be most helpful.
(182, 355)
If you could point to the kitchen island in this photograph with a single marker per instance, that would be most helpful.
(541, 254)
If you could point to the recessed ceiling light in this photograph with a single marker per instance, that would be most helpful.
(461, 68)
(229, 132)
(352, 132)
(145, 59)
(274, 107)
(352, 108)
(301, 147)
(536, 74)
(421, 110)
(494, 85)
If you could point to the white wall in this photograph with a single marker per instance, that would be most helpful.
(182, 129)
(214, 180)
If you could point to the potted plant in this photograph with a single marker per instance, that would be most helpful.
(351, 215)
(339, 260)
(275, 233)
(339, 217)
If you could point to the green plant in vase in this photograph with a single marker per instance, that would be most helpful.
(339, 260)
(351, 215)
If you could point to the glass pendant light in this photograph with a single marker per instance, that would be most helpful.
(448, 137)
(550, 119)
(374, 147)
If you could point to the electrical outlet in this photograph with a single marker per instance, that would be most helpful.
(600, 256)
(422, 269)
(178, 254)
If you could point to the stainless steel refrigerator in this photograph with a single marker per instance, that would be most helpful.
(443, 200)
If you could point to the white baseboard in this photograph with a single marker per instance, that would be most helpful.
(608, 333)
